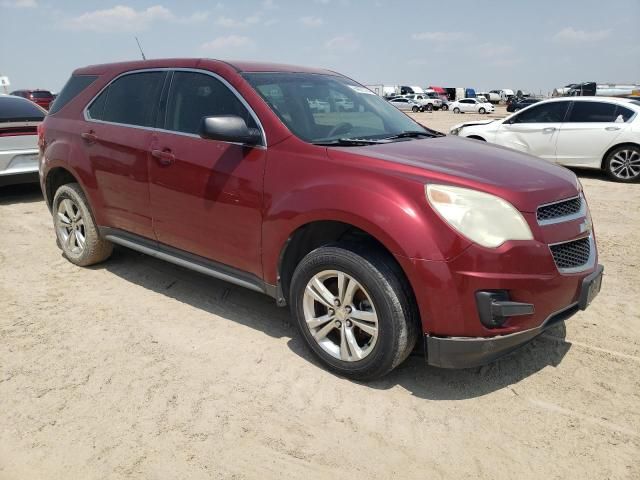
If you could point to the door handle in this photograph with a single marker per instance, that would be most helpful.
(89, 136)
(612, 129)
(548, 129)
(164, 157)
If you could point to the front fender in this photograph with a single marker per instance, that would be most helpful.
(390, 207)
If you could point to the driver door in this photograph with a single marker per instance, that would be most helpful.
(534, 130)
(206, 195)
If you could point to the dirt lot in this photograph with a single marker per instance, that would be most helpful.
(139, 369)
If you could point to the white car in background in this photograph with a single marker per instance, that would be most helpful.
(471, 105)
(406, 104)
(19, 120)
(588, 132)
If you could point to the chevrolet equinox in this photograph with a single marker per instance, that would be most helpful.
(380, 234)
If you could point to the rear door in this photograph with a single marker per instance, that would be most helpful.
(534, 130)
(591, 128)
(206, 195)
(467, 105)
(116, 139)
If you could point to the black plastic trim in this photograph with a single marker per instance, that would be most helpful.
(188, 260)
(467, 352)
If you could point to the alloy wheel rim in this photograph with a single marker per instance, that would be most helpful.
(70, 227)
(340, 316)
(625, 164)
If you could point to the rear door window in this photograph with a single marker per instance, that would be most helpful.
(194, 96)
(552, 112)
(592, 112)
(75, 85)
(17, 109)
(131, 99)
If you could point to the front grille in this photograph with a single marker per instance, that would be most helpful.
(559, 209)
(573, 254)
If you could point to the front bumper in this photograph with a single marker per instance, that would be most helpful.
(465, 352)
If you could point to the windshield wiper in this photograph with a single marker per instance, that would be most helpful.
(416, 133)
(351, 142)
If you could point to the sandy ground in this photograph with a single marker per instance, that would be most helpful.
(140, 369)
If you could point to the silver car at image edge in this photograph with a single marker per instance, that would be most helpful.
(19, 120)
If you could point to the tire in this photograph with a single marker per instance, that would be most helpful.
(516, 110)
(428, 107)
(456, 110)
(72, 220)
(380, 291)
(415, 109)
(445, 108)
(622, 164)
(482, 111)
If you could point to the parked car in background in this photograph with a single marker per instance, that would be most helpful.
(19, 121)
(379, 233)
(428, 103)
(406, 104)
(44, 98)
(471, 105)
(517, 104)
(589, 132)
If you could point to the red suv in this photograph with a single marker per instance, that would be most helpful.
(380, 234)
(43, 98)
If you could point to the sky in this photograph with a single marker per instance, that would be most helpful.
(528, 45)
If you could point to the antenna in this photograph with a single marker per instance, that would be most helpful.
(140, 47)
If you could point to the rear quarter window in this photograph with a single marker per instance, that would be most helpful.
(75, 85)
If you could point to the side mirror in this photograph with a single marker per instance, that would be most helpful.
(229, 128)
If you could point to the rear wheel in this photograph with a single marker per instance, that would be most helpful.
(445, 107)
(623, 164)
(354, 310)
(76, 233)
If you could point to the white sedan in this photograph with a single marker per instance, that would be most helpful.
(589, 132)
(471, 105)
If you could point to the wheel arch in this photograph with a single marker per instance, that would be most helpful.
(611, 149)
(56, 177)
(318, 233)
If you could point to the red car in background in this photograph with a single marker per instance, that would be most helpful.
(43, 98)
(380, 234)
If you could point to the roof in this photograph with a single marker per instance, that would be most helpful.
(238, 65)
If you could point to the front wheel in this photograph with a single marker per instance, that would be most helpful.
(623, 164)
(482, 111)
(456, 110)
(354, 311)
(428, 107)
(415, 109)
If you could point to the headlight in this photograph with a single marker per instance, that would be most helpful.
(481, 217)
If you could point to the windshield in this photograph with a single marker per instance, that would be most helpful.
(322, 108)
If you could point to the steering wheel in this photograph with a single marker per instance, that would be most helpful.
(342, 127)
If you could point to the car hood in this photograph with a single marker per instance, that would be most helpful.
(523, 180)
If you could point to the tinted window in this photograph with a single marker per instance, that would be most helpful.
(623, 114)
(131, 99)
(73, 87)
(96, 110)
(585, 112)
(17, 109)
(41, 94)
(552, 112)
(194, 96)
